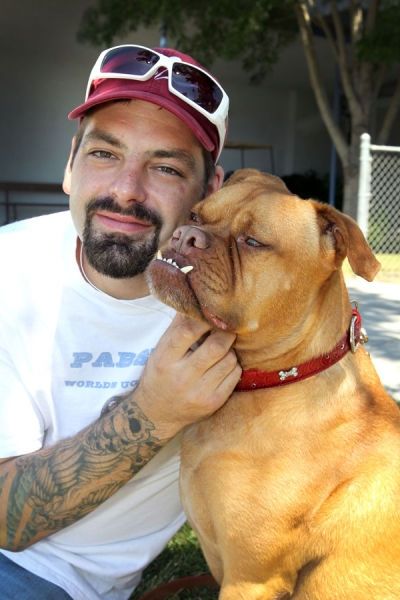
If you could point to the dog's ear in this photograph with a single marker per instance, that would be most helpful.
(257, 177)
(349, 241)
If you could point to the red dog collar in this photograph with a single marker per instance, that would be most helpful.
(253, 379)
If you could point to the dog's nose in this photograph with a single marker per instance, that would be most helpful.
(187, 237)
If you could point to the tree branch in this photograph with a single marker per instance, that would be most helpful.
(366, 68)
(391, 113)
(372, 13)
(303, 19)
(379, 78)
(343, 62)
(356, 21)
(320, 21)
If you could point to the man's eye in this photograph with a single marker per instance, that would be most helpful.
(102, 154)
(169, 171)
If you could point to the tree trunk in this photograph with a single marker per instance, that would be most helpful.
(351, 166)
(350, 189)
(391, 114)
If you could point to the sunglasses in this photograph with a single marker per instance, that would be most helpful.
(190, 83)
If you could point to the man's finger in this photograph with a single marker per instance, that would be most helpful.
(227, 385)
(214, 348)
(180, 336)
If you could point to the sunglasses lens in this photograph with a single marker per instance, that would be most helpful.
(196, 86)
(129, 61)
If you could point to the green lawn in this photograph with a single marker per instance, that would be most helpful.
(182, 557)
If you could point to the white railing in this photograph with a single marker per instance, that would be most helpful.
(378, 212)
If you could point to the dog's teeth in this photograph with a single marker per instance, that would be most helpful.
(171, 262)
(186, 269)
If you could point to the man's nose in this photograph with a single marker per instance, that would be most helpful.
(129, 185)
(188, 237)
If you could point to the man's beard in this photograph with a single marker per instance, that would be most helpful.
(117, 254)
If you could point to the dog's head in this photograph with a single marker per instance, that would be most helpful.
(253, 244)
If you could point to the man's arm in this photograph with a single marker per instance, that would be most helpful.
(47, 490)
(43, 492)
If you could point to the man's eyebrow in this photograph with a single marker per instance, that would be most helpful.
(177, 153)
(103, 136)
(100, 135)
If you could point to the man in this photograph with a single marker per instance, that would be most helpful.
(89, 444)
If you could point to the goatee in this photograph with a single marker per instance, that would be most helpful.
(118, 255)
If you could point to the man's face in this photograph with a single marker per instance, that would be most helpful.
(136, 174)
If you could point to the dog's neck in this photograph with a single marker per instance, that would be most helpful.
(316, 329)
(253, 379)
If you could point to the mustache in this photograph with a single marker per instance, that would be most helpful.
(136, 210)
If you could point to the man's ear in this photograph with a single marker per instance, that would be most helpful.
(68, 169)
(216, 182)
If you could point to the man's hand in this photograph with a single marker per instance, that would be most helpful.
(184, 380)
(47, 490)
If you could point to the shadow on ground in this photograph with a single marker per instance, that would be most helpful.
(380, 311)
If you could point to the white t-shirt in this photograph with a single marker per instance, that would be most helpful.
(65, 349)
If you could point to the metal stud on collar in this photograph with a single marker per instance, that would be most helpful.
(353, 342)
(362, 338)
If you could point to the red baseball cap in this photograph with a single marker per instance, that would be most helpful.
(156, 90)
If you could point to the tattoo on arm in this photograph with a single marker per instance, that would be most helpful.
(57, 486)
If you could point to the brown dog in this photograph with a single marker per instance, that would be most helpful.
(293, 490)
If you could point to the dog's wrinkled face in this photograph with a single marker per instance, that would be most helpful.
(253, 239)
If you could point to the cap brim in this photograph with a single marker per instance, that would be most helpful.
(163, 102)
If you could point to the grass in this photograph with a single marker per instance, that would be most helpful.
(180, 558)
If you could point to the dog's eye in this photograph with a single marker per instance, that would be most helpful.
(252, 242)
(194, 217)
(248, 240)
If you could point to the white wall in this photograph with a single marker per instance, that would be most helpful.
(44, 71)
(281, 111)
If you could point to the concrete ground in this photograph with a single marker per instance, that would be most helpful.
(379, 305)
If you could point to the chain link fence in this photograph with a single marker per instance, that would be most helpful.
(379, 204)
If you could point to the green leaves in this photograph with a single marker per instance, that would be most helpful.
(253, 31)
(382, 45)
